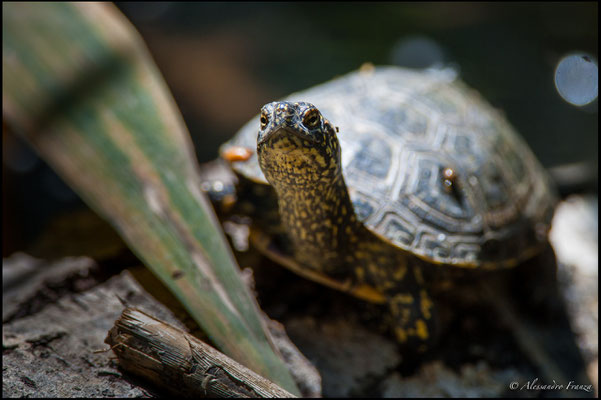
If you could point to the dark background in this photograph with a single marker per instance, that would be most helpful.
(223, 61)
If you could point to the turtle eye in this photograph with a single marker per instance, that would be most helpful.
(264, 120)
(311, 119)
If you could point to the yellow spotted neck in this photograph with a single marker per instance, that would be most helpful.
(321, 223)
(299, 154)
(317, 213)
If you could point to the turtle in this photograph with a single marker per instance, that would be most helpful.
(381, 181)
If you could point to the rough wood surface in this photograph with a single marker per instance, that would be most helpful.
(28, 284)
(180, 363)
(59, 314)
(52, 350)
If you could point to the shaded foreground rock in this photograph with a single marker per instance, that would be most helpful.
(437, 380)
(575, 238)
(349, 357)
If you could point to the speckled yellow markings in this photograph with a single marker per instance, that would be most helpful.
(404, 299)
(419, 278)
(299, 155)
(398, 273)
(421, 329)
(425, 304)
(401, 334)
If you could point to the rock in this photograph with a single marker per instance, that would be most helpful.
(437, 380)
(304, 373)
(575, 238)
(349, 357)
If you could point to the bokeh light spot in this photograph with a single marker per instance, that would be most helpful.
(577, 79)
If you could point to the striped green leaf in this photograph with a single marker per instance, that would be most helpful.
(79, 85)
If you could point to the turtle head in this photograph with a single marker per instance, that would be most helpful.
(296, 145)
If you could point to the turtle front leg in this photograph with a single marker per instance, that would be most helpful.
(413, 314)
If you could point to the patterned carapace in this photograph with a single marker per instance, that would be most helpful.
(414, 172)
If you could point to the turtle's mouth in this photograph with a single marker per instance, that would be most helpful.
(281, 133)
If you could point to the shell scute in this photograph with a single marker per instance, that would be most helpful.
(398, 130)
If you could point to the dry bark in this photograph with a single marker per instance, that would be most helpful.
(181, 364)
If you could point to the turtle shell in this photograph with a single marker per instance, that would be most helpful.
(400, 131)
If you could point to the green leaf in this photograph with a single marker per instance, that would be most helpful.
(80, 86)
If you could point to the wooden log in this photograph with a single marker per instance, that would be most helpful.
(179, 363)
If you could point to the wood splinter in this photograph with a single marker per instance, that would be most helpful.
(179, 363)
